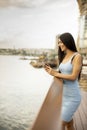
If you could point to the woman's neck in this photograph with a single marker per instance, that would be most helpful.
(69, 52)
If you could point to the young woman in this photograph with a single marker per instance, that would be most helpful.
(70, 64)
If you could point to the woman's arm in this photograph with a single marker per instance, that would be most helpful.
(77, 64)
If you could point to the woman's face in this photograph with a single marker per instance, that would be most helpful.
(61, 45)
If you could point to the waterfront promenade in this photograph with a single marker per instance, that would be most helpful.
(80, 117)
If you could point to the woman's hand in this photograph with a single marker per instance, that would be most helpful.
(49, 70)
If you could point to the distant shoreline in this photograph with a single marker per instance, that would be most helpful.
(26, 52)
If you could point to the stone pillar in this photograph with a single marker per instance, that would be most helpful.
(82, 36)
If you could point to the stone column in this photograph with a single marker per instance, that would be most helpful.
(82, 36)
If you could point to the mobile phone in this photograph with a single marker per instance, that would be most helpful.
(46, 64)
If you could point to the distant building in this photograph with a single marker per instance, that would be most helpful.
(82, 36)
(56, 44)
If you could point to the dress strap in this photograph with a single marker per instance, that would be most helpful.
(73, 56)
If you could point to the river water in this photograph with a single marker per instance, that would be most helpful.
(22, 91)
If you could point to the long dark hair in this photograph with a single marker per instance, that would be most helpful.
(69, 42)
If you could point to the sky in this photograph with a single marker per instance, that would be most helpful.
(35, 24)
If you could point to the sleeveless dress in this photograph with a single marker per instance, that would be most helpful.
(71, 92)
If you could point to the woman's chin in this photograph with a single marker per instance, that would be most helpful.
(62, 49)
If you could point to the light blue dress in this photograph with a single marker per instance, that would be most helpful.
(71, 92)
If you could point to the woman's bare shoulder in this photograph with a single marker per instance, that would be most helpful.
(78, 57)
